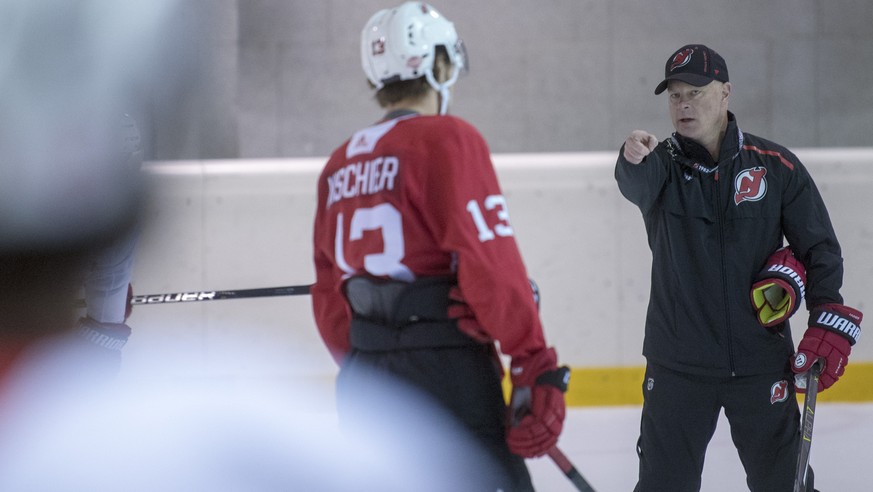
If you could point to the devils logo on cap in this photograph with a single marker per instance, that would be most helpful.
(681, 59)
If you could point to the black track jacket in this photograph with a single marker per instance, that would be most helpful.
(711, 228)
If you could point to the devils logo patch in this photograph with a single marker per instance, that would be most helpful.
(750, 185)
(779, 392)
(681, 59)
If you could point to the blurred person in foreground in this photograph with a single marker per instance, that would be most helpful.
(106, 284)
(418, 274)
(65, 425)
(65, 202)
(717, 203)
(62, 203)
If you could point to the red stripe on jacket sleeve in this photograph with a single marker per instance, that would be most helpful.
(785, 161)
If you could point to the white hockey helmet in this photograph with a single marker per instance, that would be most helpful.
(400, 44)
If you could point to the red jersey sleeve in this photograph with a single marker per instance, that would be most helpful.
(471, 217)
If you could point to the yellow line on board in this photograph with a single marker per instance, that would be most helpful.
(614, 386)
(602, 386)
(605, 386)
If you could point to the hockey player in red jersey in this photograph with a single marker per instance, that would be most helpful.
(418, 274)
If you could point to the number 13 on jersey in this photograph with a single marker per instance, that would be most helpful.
(386, 219)
(492, 202)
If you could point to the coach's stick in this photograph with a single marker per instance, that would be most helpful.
(806, 425)
(215, 295)
(567, 467)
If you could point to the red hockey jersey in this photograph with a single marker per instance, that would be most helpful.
(418, 196)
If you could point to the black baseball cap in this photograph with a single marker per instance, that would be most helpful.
(694, 64)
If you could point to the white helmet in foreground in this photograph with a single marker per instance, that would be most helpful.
(400, 44)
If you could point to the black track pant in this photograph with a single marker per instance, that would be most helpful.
(679, 417)
(444, 407)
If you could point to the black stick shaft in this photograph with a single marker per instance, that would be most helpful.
(214, 295)
(806, 426)
(569, 470)
(217, 295)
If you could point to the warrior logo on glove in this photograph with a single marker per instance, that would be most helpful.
(833, 329)
(800, 360)
(779, 288)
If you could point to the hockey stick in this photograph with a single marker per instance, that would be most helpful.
(554, 453)
(215, 295)
(806, 425)
(567, 467)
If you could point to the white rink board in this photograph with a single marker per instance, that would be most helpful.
(220, 225)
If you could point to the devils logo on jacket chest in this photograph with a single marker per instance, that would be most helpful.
(750, 185)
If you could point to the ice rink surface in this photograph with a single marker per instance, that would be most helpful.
(216, 431)
(601, 444)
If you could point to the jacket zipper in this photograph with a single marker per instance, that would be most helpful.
(724, 286)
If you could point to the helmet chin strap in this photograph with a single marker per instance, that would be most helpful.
(444, 100)
(442, 89)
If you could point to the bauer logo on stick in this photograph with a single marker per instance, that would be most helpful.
(177, 297)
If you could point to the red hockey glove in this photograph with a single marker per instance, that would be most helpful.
(537, 406)
(833, 329)
(779, 288)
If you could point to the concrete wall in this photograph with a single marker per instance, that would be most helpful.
(282, 78)
(224, 225)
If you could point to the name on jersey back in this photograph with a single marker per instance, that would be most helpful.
(362, 178)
